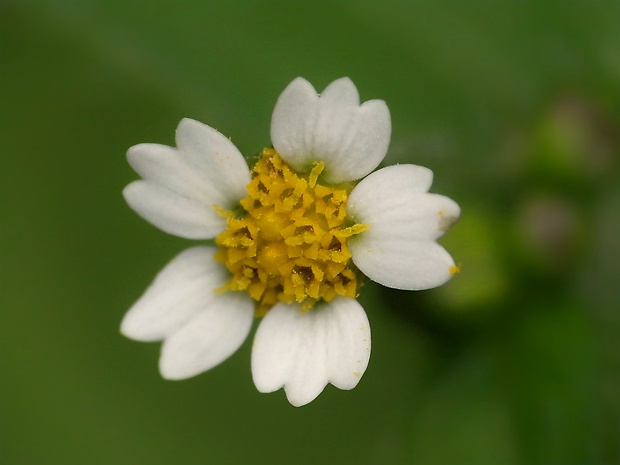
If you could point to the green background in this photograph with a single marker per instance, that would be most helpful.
(513, 105)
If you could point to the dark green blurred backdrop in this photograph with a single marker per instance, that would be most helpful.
(513, 105)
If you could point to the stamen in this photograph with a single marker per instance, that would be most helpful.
(290, 245)
(316, 171)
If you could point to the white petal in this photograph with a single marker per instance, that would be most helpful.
(303, 351)
(398, 250)
(350, 138)
(181, 290)
(394, 201)
(223, 170)
(185, 183)
(172, 212)
(209, 338)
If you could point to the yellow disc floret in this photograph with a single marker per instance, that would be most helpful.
(290, 243)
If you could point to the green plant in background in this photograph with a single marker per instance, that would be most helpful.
(513, 105)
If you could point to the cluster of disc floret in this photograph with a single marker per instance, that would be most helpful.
(290, 242)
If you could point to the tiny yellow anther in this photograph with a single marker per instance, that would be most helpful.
(316, 171)
(222, 212)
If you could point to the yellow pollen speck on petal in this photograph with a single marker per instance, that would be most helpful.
(290, 242)
(454, 269)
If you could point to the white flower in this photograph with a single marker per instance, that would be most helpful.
(285, 234)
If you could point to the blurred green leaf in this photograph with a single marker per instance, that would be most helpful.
(533, 382)
(462, 416)
(552, 375)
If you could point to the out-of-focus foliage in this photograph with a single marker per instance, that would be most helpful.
(513, 105)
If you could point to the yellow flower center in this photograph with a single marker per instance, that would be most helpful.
(290, 243)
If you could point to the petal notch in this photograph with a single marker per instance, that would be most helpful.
(351, 139)
(303, 351)
(399, 249)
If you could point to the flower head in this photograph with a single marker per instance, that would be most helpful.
(292, 236)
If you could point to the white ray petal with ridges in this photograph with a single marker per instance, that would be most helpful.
(351, 139)
(303, 351)
(181, 186)
(398, 249)
(222, 168)
(181, 290)
(209, 338)
(173, 213)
